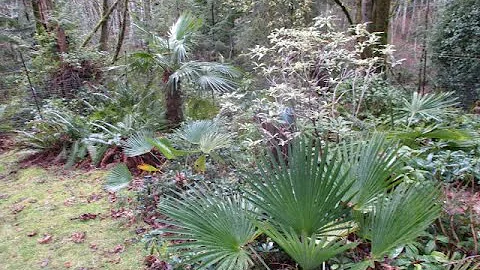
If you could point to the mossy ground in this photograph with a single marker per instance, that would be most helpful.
(47, 201)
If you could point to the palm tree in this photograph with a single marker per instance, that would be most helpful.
(171, 57)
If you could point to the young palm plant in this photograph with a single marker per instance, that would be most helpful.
(302, 202)
(400, 217)
(210, 229)
(432, 106)
(170, 57)
(372, 168)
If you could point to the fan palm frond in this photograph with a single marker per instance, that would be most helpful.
(213, 140)
(192, 132)
(138, 144)
(431, 106)
(371, 166)
(206, 134)
(400, 217)
(180, 36)
(308, 251)
(119, 177)
(214, 230)
(304, 195)
(208, 76)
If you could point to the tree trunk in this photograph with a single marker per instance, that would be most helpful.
(39, 25)
(174, 104)
(42, 11)
(147, 8)
(121, 35)
(381, 12)
(104, 31)
(404, 19)
(103, 22)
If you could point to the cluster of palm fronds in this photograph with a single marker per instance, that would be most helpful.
(307, 205)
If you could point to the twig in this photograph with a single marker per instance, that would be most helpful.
(34, 93)
(260, 258)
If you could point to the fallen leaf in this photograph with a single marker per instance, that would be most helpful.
(17, 208)
(31, 234)
(44, 263)
(46, 239)
(118, 249)
(93, 246)
(67, 264)
(140, 230)
(78, 237)
(86, 216)
(69, 202)
(147, 168)
(153, 263)
(115, 261)
(94, 197)
(117, 213)
(112, 197)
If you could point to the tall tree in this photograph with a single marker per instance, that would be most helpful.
(43, 12)
(374, 12)
(121, 34)
(104, 31)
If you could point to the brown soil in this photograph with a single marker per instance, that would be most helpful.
(6, 142)
(112, 156)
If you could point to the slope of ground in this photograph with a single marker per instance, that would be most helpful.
(56, 219)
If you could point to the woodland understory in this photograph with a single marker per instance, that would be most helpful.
(223, 134)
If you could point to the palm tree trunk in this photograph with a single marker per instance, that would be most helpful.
(174, 104)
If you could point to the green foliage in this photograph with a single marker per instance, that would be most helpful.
(400, 217)
(213, 230)
(205, 135)
(119, 177)
(309, 251)
(304, 195)
(198, 108)
(301, 199)
(138, 144)
(426, 107)
(456, 46)
(372, 168)
(57, 128)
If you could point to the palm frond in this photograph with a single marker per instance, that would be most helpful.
(214, 230)
(427, 107)
(213, 140)
(192, 132)
(209, 76)
(180, 36)
(308, 251)
(399, 218)
(304, 195)
(206, 134)
(372, 166)
(138, 144)
(119, 177)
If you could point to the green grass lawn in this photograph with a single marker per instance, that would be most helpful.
(36, 201)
